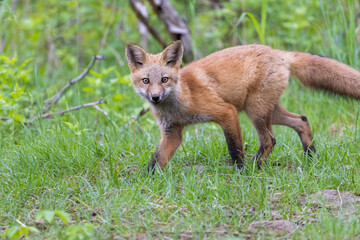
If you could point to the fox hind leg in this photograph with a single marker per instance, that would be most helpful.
(297, 122)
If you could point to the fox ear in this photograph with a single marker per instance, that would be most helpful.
(172, 55)
(136, 56)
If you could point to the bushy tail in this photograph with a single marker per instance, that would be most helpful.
(324, 73)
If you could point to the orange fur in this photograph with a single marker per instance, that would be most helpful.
(217, 87)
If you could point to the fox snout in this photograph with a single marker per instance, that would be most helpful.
(155, 98)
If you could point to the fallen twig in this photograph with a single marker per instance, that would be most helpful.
(59, 94)
(51, 115)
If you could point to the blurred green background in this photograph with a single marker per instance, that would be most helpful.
(56, 40)
(92, 166)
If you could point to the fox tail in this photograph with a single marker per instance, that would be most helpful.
(324, 73)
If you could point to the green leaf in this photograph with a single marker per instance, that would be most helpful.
(85, 130)
(256, 25)
(17, 92)
(64, 216)
(25, 63)
(8, 60)
(117, 97)
(105, 72)
(32, 229)
(47, 215)
(17, 117)
(88, 89)
(80, 231)
(18, 231)
(12, 232)
(70, 125)
(98, 75)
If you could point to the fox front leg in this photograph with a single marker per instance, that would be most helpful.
(171, 138)
(227, 118)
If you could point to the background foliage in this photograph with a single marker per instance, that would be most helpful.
(100, 160)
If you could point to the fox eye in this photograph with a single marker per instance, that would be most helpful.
(146, 81)
(164, 79)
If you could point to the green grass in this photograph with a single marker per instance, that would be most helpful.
(98, 175)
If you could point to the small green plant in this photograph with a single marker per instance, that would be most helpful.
(80, 231)
(14, 86)
(20, 231)
(49, 216)
(260, 28)
(75, 128)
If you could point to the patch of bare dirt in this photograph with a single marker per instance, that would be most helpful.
(335, 200)
(275, 228)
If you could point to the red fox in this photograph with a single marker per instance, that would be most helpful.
(216, 88)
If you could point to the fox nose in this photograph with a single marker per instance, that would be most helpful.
(155, 98)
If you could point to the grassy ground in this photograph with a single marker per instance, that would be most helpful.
(98, 177)
(83, 176)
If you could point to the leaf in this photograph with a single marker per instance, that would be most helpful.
(240, 19)
(105, 72)
(17, 117)
(80, 231)
(70, 125)
(13, 232)
(123, 79)
(47, 215)
(256, 25)
(32, 229)
(85, 130)
(24, 74)
(18, 231)
(64, 216)
(98, 75)
(24, 63)
(17, 92)
(117, 97)
(88, 89)
(8, 60)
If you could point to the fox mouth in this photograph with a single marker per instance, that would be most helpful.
(156, 100)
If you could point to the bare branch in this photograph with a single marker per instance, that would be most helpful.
(143, 29)
(175, 25)
(138, 9)
(100, 110)
(13, 5)
(51, 115)
(2, 44)
(4, 118)
(59, 94)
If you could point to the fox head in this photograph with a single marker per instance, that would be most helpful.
(155, 77)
